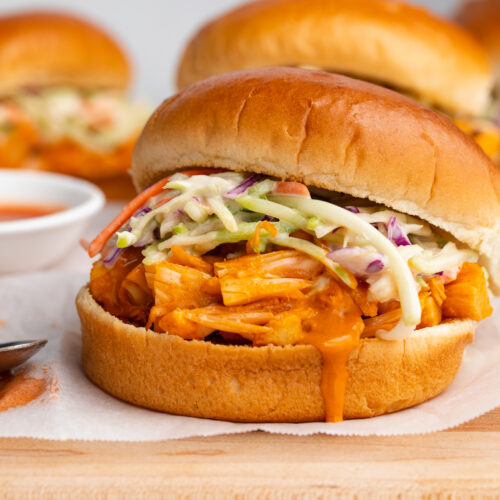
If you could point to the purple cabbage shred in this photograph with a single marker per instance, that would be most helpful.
(241, 188)
(268, 218)
(354, 210)
(375, 266)
(110, 260)
(396, 234)
(142, 211)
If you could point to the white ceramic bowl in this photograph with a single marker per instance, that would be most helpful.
(30, 244)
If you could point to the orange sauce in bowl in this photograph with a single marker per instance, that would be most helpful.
(18, 211)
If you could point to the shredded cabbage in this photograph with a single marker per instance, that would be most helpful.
(205, 242)
(449, 257)
(272, 209)
(335, 215)
(196, 213)
(218, 207)
(315, 252)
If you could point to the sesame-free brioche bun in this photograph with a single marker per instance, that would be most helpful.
(482, 19)
(262, 384)
(331, 132)
(386, 41)
(41, 49)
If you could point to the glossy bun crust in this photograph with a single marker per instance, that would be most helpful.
(331, 132)
(385, 41)
(40, 49)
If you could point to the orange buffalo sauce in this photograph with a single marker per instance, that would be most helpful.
(17, 211)
(334, 329)
(202, 301)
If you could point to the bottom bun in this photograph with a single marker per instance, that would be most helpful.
(262, 384)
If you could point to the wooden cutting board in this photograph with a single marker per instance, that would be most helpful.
(461, 462)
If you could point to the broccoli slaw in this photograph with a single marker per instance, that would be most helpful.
(392, 252)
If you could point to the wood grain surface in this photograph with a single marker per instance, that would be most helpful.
(459, 463)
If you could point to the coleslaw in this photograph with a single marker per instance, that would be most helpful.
(393, 253)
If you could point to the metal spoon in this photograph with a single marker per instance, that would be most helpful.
(13, 354)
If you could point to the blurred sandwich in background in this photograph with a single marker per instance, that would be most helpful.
(387, 42)
(482, 19)
(63, 102)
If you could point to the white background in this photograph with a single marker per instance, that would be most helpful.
(154, 31)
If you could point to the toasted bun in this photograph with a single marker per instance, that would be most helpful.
(380, 40)
(331, 132)
(40, 49)
(482, 18)
(262, 384)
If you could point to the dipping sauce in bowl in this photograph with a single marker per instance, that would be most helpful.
(42, 217)
(18, 210)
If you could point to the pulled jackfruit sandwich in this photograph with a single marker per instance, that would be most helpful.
(304, 247)
(63, 102)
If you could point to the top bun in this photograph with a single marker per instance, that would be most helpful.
(331, 132)
(482, 18)
(380, 40)
(40, 49)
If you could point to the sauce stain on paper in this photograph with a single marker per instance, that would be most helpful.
(20, 389)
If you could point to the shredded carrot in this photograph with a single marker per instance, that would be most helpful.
(292, 187)
(254, 241)
(103, 237)
(162, 202)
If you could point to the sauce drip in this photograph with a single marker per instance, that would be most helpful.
(334, 329)
(18, 211)
(19, 390)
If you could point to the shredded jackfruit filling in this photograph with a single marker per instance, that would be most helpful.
(235, 258)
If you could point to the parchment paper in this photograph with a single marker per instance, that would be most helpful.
(42, 306)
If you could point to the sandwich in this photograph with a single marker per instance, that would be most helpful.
(482, 19)
(387, 42)
(304, 247)
(63, 103)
